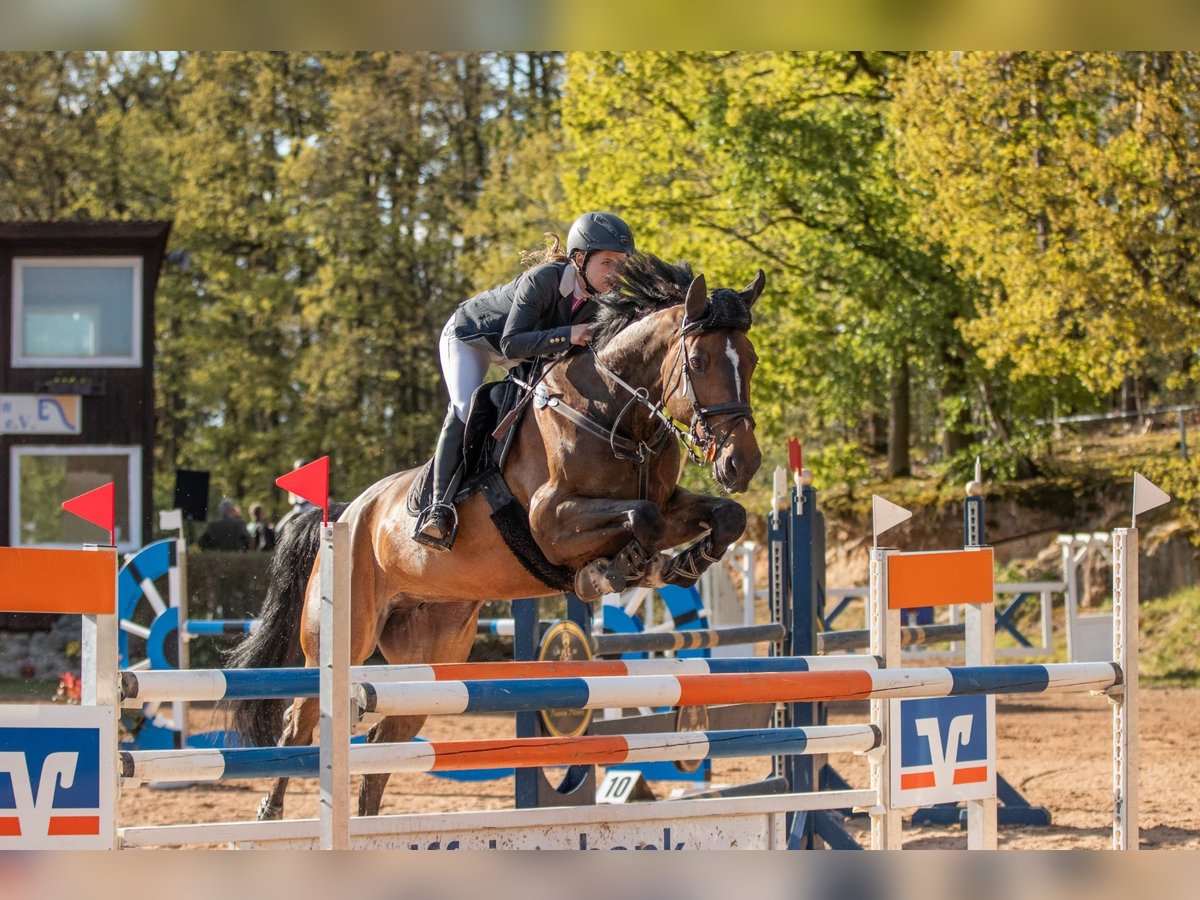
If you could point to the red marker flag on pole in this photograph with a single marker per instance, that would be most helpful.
(311, 483)
(793, 459)
(98, 507)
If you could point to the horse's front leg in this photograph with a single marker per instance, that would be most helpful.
(609, 543)
(716, 521)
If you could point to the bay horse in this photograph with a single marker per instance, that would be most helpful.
(595, 462)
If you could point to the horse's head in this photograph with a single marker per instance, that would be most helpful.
(713, 365)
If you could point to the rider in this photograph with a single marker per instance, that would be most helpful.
(544, 311)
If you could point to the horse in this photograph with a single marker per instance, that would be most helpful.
(593, 466)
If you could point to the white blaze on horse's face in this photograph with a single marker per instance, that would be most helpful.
(732, 355)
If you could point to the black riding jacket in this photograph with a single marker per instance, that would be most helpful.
(530, 316)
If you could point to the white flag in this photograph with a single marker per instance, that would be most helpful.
(1146, 496)
(170, 518)
(886, 514)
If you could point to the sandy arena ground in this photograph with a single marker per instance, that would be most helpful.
(1055, 749)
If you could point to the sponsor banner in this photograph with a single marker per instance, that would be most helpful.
(748, 832)
(57, 777)
(943, 750)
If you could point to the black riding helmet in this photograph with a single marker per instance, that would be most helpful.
(598, 231)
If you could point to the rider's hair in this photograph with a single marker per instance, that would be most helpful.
(552, 252)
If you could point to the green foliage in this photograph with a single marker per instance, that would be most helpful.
(1062, 183)
(318, 203)
(779, 160)
(837, 465)
(1170, 629)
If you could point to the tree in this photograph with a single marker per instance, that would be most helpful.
(780, 160)
(1065, 185)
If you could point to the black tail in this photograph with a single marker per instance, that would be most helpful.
(276, 643)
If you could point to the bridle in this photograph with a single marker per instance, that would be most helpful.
(718, 420)
(711, 426)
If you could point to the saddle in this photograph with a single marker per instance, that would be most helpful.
(480, 471)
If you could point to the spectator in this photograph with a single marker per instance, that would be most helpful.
(262, 534)
(228, 531)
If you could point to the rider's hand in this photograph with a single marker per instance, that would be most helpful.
(581, 334)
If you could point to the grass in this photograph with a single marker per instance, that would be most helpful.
(1170, 632)
(27, 690)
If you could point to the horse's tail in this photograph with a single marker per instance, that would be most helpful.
(276, 642)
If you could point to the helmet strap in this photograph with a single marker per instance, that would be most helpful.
(583, 272)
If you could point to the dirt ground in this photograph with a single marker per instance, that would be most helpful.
(1056, 750)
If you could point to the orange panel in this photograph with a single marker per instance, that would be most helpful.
(940, 579)
(974, 775)
(911, 781)
(58, 581)
(73, 825)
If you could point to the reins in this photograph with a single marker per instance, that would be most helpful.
(718, 420)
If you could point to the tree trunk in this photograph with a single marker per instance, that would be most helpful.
(899, 420)
(955, 438)
(1026, 468)
(877, 433)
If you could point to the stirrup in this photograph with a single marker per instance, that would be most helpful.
(446, 541)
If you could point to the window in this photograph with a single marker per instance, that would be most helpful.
(77, 311)
(42, 477)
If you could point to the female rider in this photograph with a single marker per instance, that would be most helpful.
(544, 311)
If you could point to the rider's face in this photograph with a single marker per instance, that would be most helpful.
(602, 269)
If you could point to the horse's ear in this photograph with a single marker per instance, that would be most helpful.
(696, 304)
(751, 291)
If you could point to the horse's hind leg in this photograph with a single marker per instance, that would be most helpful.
(392, 729)
(299, 724)
(417, 633)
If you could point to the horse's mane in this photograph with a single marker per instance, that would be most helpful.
(647, 285)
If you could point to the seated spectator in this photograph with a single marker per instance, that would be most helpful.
(228, 531)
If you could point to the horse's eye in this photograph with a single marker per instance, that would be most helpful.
(696, 362)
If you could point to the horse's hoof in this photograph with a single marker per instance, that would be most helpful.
(592, 581)
(268, 811)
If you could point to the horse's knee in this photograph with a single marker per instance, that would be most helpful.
(728, 522)
(646, 523)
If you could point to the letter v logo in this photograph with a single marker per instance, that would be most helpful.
(34, 812)
(945, 758)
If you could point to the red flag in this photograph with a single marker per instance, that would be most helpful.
(98, 507)
(794, 455)
(311, 483)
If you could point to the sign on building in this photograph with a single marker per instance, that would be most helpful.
(40, 414)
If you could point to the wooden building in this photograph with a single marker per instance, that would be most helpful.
(77, 376)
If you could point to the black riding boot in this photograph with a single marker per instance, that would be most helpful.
(438, 523)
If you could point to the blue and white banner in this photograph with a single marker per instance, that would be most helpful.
(57, 777)
(943, 750)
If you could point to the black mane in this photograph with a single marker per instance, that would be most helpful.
(647, 285)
